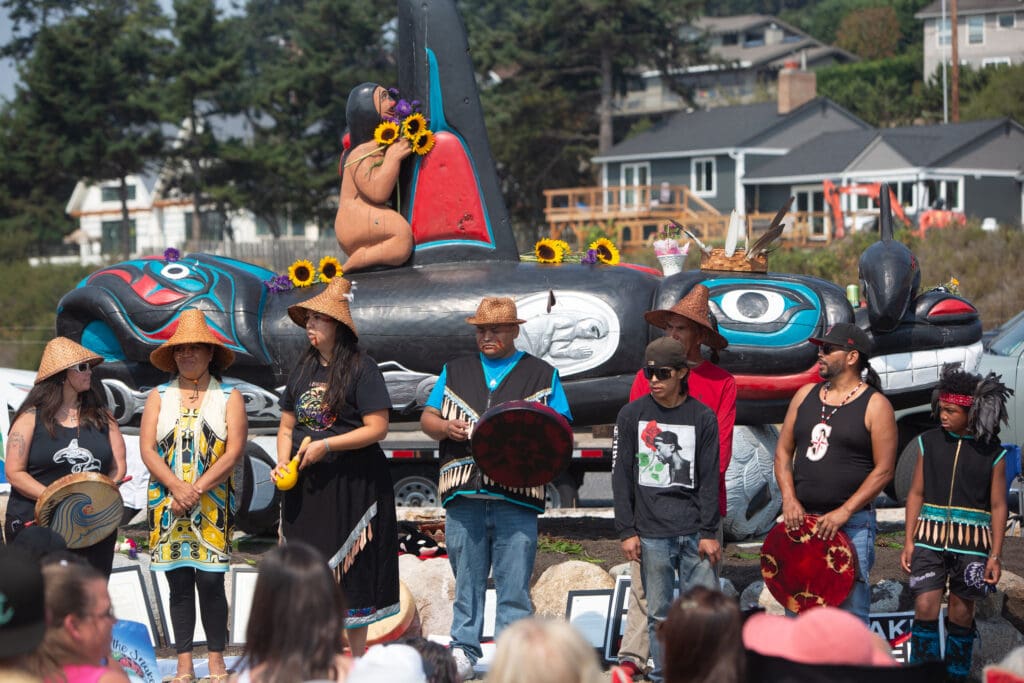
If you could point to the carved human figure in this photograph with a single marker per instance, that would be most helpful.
(368, 230)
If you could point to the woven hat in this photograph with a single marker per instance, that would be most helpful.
(845, 335)
(192, 329)
(60, 354)
(332, 302)
(496, 310)
(21, 594)
(693, 306)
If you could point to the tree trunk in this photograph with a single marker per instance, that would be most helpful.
(126, 223)
(604, 138)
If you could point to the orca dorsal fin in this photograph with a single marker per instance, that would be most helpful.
(885, 230)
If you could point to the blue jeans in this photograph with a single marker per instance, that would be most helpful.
(481, 534)
(862, 527)
(660, 559)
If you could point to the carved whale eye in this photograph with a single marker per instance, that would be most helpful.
(764, 313)
(175, 271)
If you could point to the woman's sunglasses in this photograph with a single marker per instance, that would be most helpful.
(83, 367)
(661, 373)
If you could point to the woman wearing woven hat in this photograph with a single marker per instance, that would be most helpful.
(62, 427)
(334, 412)
(191, 437)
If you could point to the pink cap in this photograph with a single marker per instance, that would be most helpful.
(822, 635)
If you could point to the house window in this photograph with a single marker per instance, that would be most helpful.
(996, 61)
(636, 181)
(113, 194)
(943, 32)
(976, 30)
(1005, 20)
(702, 177)
(111, 237)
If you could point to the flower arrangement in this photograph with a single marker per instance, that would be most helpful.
(127, 545)
(547, 250)
(302, 273)
(950, 287)
(668, 242)
(171, 254)
(409, 123)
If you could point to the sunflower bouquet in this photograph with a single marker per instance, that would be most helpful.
(302, 273)
(409, 124)
(600, 250)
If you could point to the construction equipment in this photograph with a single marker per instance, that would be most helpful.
(871, 190)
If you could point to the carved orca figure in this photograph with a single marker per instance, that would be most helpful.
(889, 273)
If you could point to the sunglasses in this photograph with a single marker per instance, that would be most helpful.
(82, 367)
(828, 349)
(662, 373)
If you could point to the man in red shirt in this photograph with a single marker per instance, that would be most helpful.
(688, 322)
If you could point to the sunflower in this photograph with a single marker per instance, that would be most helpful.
(301, 273)
(548, 251)
(413, 125)
(330, 268)
(423, 143)
(606, 251)
(386, 133)
(564, 245)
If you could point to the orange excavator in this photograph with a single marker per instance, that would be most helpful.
(872, 190)
(931, 218)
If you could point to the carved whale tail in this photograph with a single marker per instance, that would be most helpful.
(455, 205)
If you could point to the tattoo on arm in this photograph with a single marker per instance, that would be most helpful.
(16, 445)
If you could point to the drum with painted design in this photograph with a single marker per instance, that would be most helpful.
(802, 570)
(82, 508)
(522, 443)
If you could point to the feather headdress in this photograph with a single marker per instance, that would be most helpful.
(984, 398)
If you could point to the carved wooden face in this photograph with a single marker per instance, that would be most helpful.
(384, 102)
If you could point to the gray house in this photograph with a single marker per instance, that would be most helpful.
(976, 168)
(989, 32)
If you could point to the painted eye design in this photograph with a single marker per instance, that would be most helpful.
(771, 313)
(175, 271)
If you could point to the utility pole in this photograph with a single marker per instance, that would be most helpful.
(955, 95)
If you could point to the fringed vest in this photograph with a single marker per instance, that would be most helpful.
(956, 515)
(466, 398)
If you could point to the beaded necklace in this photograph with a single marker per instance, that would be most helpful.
(825, 419)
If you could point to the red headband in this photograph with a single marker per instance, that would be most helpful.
(957, 399)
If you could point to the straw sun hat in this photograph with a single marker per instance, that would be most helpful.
(496, 310)
(192, 329)
(60, 354)
(693, 306)
(332, 302)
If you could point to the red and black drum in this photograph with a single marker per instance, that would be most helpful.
(522, 443)
(804, 571)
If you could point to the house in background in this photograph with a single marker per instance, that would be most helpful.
(749, 52)
(989, 33)
(161, 216)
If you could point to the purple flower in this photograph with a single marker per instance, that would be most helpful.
(278, 283)
(590, 258)
(171, 254)
(403, 109)
(393, 92)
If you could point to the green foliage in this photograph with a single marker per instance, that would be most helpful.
(554, 544)
(883, 92)
(1002, 95)
(871, 33)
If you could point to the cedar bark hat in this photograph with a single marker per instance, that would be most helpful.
(60, 354)
(192, 329)
(496, 310)
(332, 302)
(693, 306)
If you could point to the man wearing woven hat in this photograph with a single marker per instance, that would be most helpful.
(837, 451)
(664, 482)
(487, 524)
(689, 323)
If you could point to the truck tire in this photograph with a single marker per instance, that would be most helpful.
(905, 472)
(416, 489)
(567, 487)
(257, 500)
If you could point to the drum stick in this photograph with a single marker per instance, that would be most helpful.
(125, 480)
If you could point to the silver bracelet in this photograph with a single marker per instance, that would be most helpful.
(327, 446)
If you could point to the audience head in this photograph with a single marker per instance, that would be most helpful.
(538, 650)
(79, 617)
(43, 543)
(1009, 670)
(702, 638)
(296, 625)
(22, 604)
(822, 635)
(438, 663)
(393, 662)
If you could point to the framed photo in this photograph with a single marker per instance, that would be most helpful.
(243, 585)
(163, 594)
(587, 611)
(617, 617)
(129, 600)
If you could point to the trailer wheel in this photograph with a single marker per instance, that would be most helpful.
(552, 497)
(905, 472)
(416, 491)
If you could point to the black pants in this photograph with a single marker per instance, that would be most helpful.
(213, 607)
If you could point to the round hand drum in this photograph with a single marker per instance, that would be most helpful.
(83, 508)
(803, 571)
(522, 443)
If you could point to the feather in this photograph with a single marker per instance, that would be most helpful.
(773, 233)
(696, 240)
(989, 408)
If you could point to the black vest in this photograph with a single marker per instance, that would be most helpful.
(466, 398)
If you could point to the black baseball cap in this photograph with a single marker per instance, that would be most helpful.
(847, 336)
(22, 614)
(665, 352)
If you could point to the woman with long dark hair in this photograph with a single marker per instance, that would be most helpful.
(62, 427)
(296, 623)
(343, 503)
(192, 435)
(702, 638)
